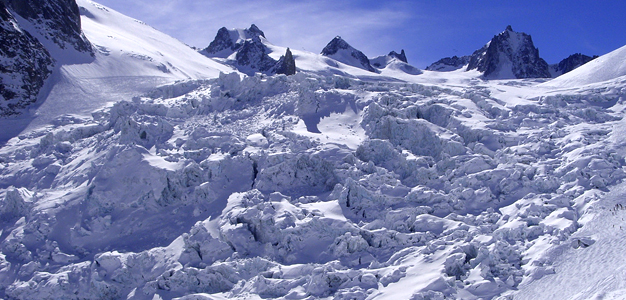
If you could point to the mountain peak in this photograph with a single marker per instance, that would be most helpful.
(335, 45)
(509, 54)
(401, 56)
(228, 41)
(339, 50)
(255, 30)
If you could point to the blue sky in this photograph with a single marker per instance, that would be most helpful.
(428, 30)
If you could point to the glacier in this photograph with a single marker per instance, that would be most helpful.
(333, 183)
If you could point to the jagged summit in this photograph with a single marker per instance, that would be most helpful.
(251, 54)
(228, 41)
(256, 31)
(338, 49)
(401, 56)
(286, 64)
(394, 61)
(509, 54)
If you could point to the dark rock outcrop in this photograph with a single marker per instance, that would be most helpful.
(401, 56)
(221, 42)
(286, 64)
(24, 65)
(254, 55)
(251, 55)
(32, 31)
(449, 63)
(341, 51)
(55, 20)
(509, 54)
(570, 63)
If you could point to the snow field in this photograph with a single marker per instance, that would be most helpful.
(242, 187)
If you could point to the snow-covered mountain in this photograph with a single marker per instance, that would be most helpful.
(449, 63)
(151, 171)
(340, 50)
(382, 61)
(243, 48)
(508, 55)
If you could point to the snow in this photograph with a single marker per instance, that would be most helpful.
(131, 58)
(334, 183)
(607, 67)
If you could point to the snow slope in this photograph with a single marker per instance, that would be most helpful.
(606, 67)
(334, 183)
(131, 58)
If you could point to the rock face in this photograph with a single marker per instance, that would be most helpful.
(55, 20)
(286, 64)
(449, 63)
(25, 63)
(401, 56)
(251, 55)
(509, 55)
(24, 66)
(570, 63)
(340, 50)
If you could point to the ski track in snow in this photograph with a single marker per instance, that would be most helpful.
(187, 180)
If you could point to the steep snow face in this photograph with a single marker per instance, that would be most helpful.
(509, 55)
(243, 48)
(307, 186)
(340, 50)
(606, 67)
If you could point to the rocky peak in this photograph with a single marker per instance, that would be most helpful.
(255, 31)
(570, 63)
(227, 41)
(335, 45)
(509, 54)
(221, 42)
(383, 61)
(286, 64)
(341, 51)
(401, 56)
(251, 54)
